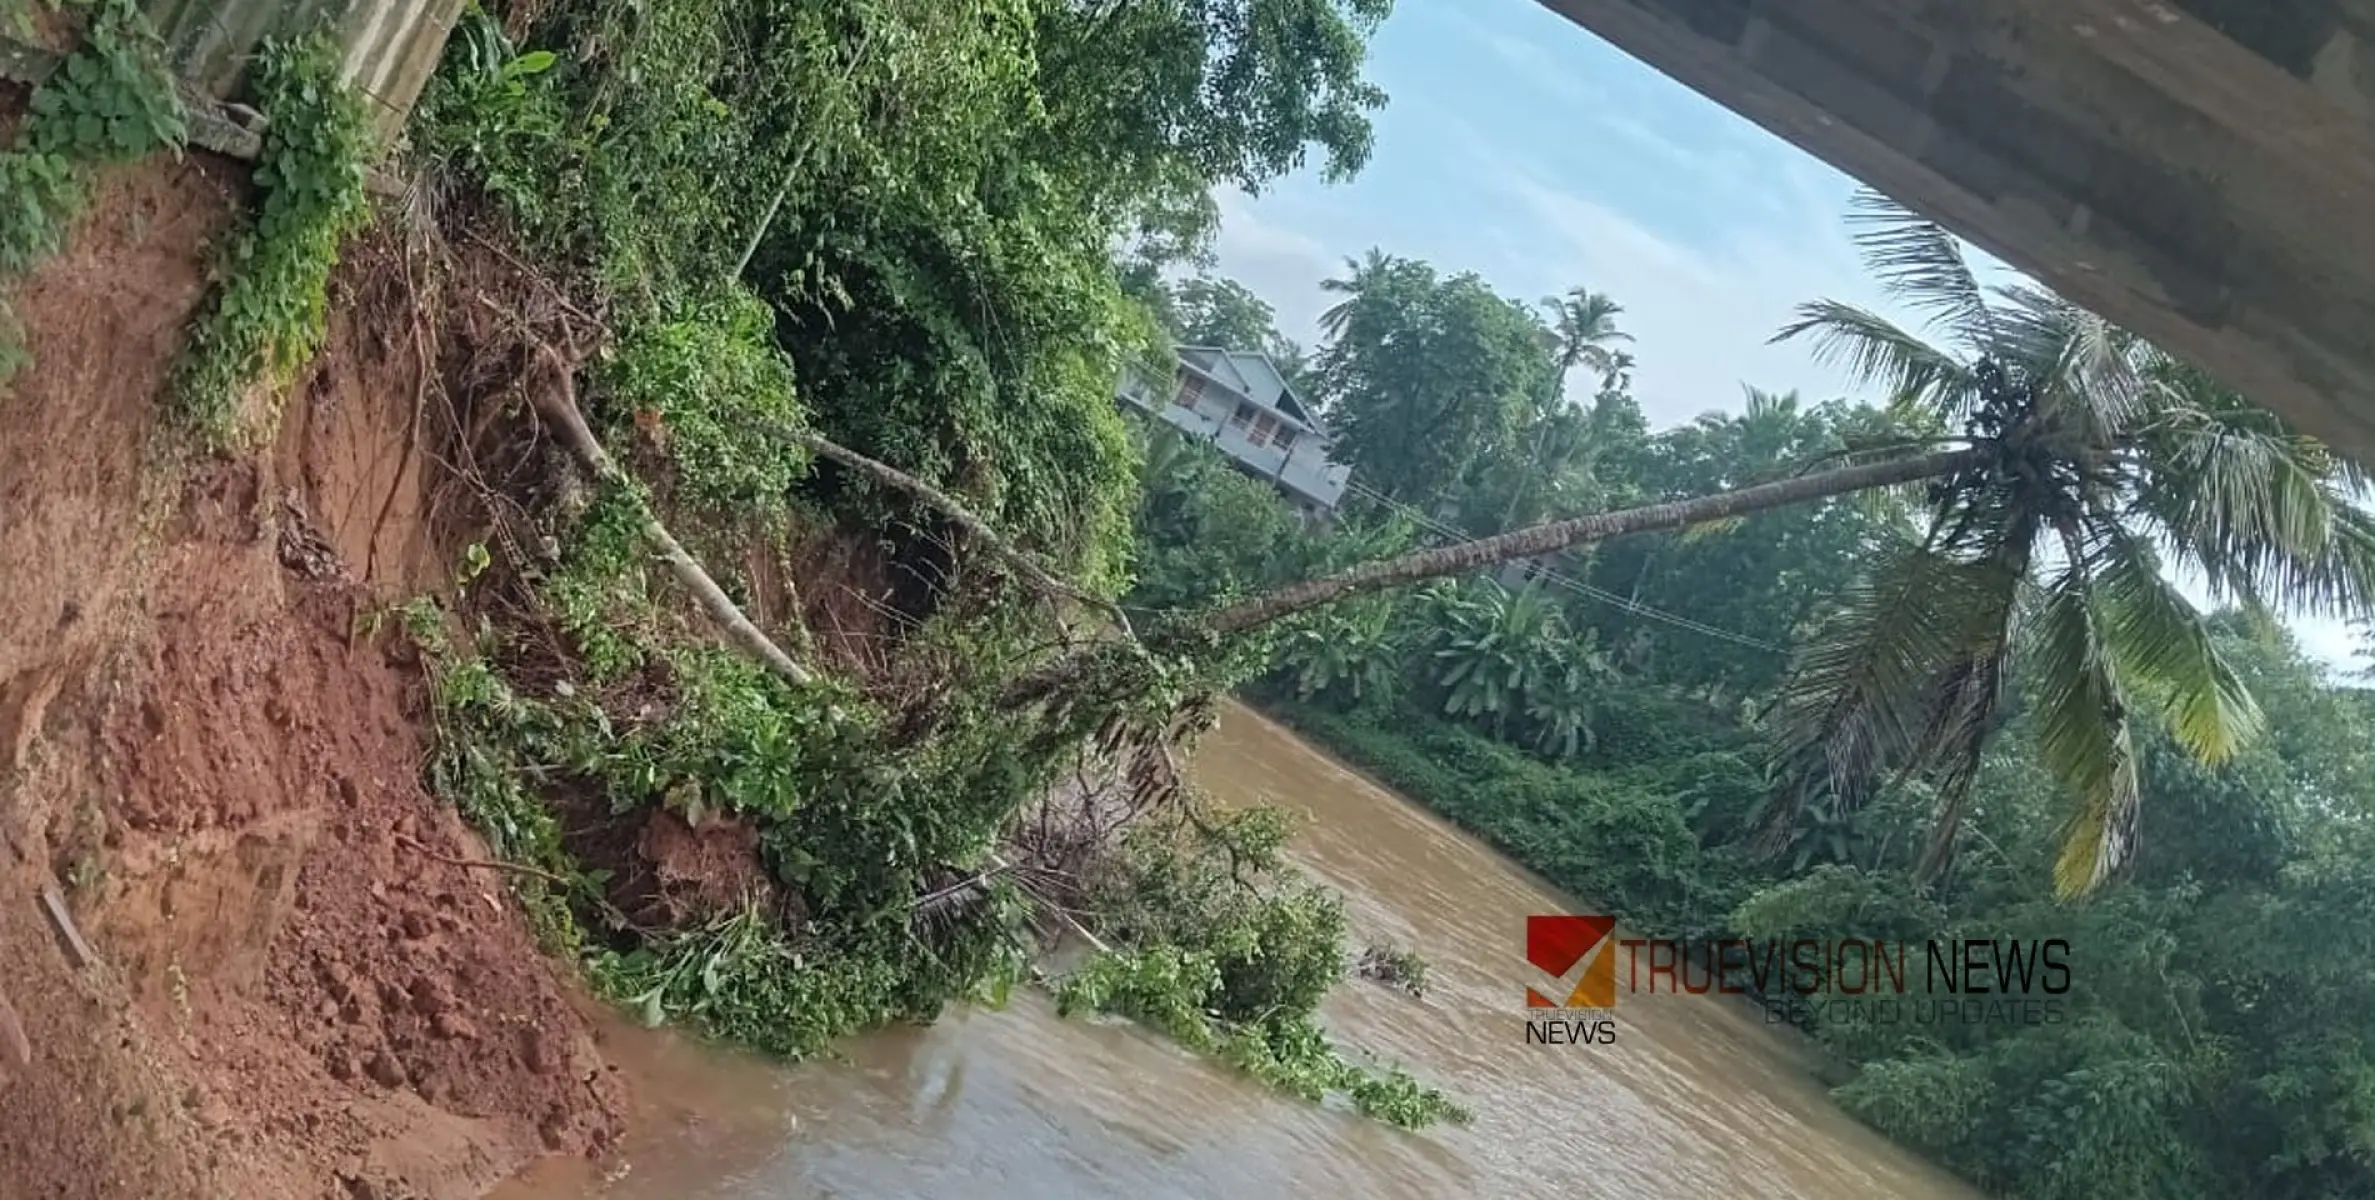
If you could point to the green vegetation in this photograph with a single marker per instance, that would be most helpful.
(110, 102)
(656, 720)
(892, 224)
(932, 233)
(1904, 715)
(269, 313)
(1428, 377)
(2219, 1005)
(1231, 954)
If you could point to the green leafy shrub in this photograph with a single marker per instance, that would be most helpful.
(742, 979)
(708, 378)
(270, 311)
(1162, 987)
(1206, 533)
(493, 114)
(111, 101)
(1225, 949)
(44, 193)
(1173, 990)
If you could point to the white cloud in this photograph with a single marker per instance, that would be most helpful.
(1702, 315)
(1282, 265)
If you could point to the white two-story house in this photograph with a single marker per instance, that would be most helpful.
(1238, 401)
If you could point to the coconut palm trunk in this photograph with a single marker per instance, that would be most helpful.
(1468, 557)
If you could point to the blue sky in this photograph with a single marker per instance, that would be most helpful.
(1520, 147)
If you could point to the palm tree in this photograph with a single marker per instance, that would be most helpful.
(1585, 322)
(1349, 651)
(1360, 275)
(1619, 375)
(1535, 541)
(2086, 459)
(2109, 463)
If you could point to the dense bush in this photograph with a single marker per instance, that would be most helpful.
(911, 210)
(707, 382)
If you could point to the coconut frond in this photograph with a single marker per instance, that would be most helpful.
(2083, 738)
(2165, 655)
(1863, 701)
(1965, 716)
(2090, 375)
(2263, 513)
(1874, 350)
(1922, 266)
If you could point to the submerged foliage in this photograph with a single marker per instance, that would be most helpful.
(1224, 949)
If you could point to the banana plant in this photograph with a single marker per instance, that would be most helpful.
(1498, 644)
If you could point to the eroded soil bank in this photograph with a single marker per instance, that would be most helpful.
(306, 981)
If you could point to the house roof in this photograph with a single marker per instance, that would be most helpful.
(1252, 375)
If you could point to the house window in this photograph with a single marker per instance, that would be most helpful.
(1242, 418)
(1191, 390)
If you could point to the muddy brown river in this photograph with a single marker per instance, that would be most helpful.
(1696, 1098)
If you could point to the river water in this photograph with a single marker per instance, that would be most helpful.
(1696, 1097)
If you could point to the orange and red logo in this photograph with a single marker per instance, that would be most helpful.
(1558, 943)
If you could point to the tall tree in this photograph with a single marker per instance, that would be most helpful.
(2108, 463)
(1360, 275)
(1585, 322)
(1427, 374)
(1163, 100)
(1224, 313)
(1204, 311)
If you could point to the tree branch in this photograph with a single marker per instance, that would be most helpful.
(1039, 578)
(557, 404)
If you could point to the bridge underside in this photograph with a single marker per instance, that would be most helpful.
(2200, 171)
